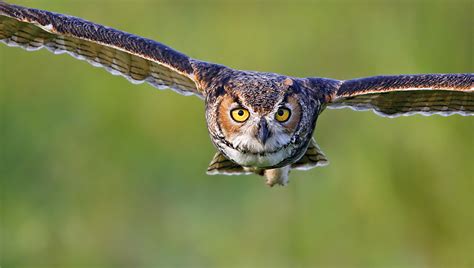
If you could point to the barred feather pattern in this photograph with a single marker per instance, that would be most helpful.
(136, 58)
(392, 104)
(392, 96)
(313, 157)
(221, 165)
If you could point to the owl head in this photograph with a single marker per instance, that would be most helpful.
(259, 119)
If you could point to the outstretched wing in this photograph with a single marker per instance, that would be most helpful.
(392, 96)
(136, 58)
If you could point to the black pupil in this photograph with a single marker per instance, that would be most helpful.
(281, 112)
(240, 112)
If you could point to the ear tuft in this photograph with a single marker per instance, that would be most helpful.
(288, 82)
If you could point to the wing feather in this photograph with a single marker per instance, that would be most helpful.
(392, 96)
(136, 58)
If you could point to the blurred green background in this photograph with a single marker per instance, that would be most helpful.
(98, 172)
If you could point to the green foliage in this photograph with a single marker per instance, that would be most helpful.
(97, 172)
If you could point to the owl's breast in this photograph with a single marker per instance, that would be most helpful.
(262, 160)
(270, 159)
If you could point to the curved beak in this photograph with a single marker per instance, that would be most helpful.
(263, 134)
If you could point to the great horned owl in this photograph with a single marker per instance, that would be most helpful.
(260, 122)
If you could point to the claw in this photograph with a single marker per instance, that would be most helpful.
(277, 176)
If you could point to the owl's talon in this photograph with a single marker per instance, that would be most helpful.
(277, 176)
(270, 183)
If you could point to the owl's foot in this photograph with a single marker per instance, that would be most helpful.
(277, 176)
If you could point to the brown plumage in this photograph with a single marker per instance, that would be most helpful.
(260, 122)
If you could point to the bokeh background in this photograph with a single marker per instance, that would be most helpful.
(98, 172)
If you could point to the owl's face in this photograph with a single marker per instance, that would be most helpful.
(257, 120)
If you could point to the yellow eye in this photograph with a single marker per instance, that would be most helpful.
(240, 114)
(283, 114)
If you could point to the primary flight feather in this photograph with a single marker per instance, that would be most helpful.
(260, 122)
